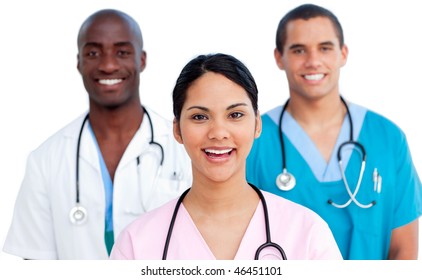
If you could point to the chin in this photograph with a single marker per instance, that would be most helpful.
(220, 177)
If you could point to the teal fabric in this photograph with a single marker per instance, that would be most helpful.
(109, 240)
(108, 189)
(360, 233)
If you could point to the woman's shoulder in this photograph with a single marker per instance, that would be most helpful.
(151, 220)
(289, 209)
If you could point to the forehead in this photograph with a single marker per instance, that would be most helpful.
(108, 29)
(311, 31)
(212, 87)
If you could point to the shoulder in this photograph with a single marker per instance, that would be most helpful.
(272, 117)
(290, 210)
(145, 237)
(69, 133)
(163, 133)
(270, 128)
(374, 118)
(161, 124)
(376, 126)
(150, 223)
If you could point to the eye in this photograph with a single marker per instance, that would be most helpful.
(326, 49)
(236, 115)
(91, 53)
(298, 51)
(123, 53)
(199, 117)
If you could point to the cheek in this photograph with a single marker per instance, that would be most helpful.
(191, 136)
(245, 140)
(289, 70)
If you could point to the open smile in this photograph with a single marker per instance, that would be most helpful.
(110, 82)
(218, 153)
(314, 77)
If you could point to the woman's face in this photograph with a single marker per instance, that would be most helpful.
(217, 127)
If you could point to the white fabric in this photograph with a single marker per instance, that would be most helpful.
(41, 228)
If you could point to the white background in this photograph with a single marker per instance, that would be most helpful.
(42, 91)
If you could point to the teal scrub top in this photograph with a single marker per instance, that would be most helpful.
(360, 233)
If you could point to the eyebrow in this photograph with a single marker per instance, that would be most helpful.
(295, 46)
(207, 110)
(92, 44)
(123, 44)
(236, 105)
(326, 43)
(98, 45)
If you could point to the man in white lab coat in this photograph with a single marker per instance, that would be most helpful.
(93, 177)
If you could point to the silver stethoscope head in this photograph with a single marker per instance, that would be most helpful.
(285, 181)
(78, 215)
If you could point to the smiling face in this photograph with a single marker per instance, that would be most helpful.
(312, 58)
(110, 60)
(217, 127)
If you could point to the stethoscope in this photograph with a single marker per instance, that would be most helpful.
(286, 181)
(267, 244)
(78, 214)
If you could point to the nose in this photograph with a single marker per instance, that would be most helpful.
(108, 63)
(218, 130)
(313, 59)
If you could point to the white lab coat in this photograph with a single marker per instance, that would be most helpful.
(41, 228)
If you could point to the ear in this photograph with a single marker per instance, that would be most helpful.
(143, 60)
(278, 59)
(176, 131)
(258, 125)
(78, 64)
(344, 54)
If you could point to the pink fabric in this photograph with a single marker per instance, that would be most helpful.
(300, 232)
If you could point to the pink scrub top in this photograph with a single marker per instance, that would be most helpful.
(299, 231)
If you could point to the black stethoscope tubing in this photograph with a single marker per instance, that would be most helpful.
(78, 148)
(283, 149)
(349, 142)
(152, 142)
(268, 242)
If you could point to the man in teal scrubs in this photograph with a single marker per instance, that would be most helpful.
(380, 219)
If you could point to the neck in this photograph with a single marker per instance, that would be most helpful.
(220, 199)
(117, 122)
(321, 120)
(317, 112)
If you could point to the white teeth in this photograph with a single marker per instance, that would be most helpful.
(218, 152)
(314, 77)
(110, 82)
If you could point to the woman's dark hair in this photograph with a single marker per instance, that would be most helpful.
(223, 64)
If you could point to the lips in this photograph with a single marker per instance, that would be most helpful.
(218, 153)
(314, 77)
(110, 82)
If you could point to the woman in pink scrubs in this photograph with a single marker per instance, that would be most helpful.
(215, 104)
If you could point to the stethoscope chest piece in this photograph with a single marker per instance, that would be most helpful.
(286, 181)
(78, 215)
